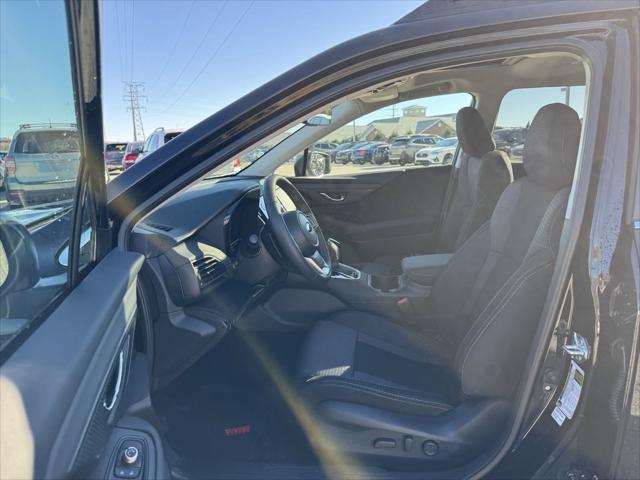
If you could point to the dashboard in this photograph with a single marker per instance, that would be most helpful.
(208, 260)
(210, 235)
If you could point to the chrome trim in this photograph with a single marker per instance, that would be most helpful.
(116, 389)
(333, 199)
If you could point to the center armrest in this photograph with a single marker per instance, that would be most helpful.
(424, 269)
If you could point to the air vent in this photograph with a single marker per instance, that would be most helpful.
(209, 270)
(159, 226)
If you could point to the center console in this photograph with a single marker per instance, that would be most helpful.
(403, 297)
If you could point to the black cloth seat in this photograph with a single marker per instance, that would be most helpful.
(482, 175)
(374, 361)
(360, 368)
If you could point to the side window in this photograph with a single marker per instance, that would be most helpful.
(38, 122)
(147, 144)
(518, 107)
(382, 139)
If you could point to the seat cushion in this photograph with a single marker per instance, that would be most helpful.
(362, 358)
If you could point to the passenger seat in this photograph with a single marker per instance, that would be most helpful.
(482, 176)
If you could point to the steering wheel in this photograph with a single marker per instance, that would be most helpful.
(296, 232)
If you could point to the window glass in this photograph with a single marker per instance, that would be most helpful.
(385, 139)
(38, 123)
(518, 107)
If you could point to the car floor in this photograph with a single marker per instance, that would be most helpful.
(226, 411)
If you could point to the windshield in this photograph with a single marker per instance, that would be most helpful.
(115, 147)
(246, 158)
(55, 141)
(447, 142)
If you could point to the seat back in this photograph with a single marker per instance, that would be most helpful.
(483, 174)
(490, 297)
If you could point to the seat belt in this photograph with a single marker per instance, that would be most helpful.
(451, 187)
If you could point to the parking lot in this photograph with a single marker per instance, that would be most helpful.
(287, 170)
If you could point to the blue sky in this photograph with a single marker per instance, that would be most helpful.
(194, 57)
(35, 88)
(225, 50)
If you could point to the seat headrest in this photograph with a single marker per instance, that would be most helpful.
(473, 135)
(551, 147)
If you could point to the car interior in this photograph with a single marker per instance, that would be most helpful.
(286, 332)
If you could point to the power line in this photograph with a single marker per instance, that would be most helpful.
(133, 94)
(215, 53)
(195, 52)
(133, 31)
(175, 46)
(115, 6)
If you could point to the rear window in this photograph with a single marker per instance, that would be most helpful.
(115, 147)
(170, 136)
(55, 141)
(399, 141)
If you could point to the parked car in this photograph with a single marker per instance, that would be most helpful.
(344, 155)
(157, 139)
(507, 138)
(381, 154)
(441, 152)
(403, 149)
(3, 154)
(516, 153)
(326, 147)
(42, 164)
(131, 154)
(364, 154)
(114, 154)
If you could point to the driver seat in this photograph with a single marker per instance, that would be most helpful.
(388, 391)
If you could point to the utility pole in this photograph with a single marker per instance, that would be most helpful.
(567, 94)
(133, 95)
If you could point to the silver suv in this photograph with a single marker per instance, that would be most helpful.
(42, 164)
(157, 139)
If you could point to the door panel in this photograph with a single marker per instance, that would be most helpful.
(388, 212)
(54, 421)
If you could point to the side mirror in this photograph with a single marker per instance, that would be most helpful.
(317, 164)
(19, 266)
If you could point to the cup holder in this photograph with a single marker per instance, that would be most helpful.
(385, 283)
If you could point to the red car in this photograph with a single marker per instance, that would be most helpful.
(131, 154)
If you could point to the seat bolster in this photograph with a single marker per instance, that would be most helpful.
(328, 351)
(376, 394)
(387, 335)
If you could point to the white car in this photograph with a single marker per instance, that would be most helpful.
(440, 153)
(157, 139)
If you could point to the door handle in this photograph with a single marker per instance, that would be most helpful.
(339, 198)
(112, 397)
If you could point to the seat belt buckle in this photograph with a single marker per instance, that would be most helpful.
(407, 312)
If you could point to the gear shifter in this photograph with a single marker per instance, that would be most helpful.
(334, 252)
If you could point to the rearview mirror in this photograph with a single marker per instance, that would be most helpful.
(319, 120)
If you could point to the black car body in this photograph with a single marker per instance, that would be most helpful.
(161, 273)
(381, 154)
(364, 153)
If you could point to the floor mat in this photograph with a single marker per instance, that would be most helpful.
(236, 425)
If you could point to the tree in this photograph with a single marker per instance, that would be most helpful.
(409, 132)
(393, 135)
(378, 136)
